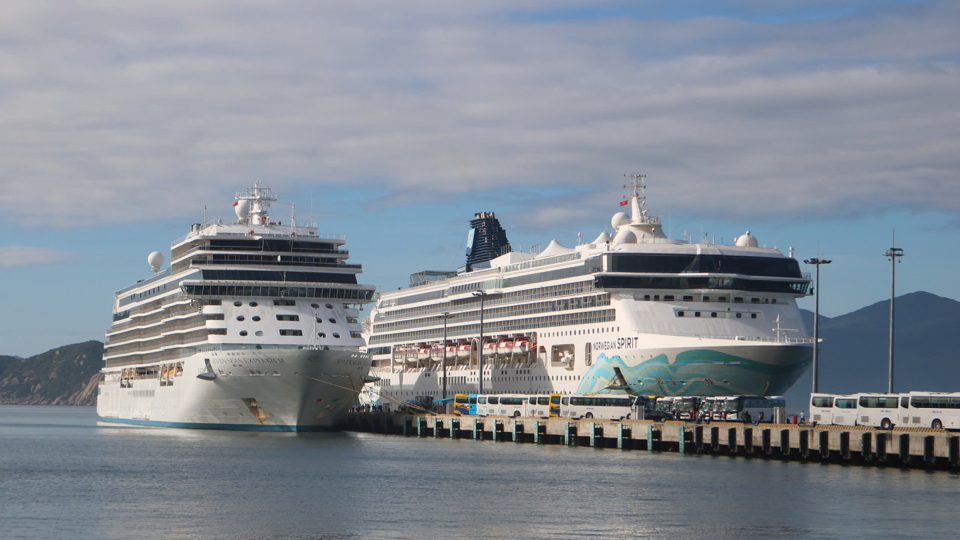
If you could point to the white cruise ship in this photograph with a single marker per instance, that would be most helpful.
(630, 312)
(254, 325)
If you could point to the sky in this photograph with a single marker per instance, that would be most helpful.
(819, 125)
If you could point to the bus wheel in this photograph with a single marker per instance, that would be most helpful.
(937, 424)
(628, 416)
(516, 414)
(588, 415)
(886, 424)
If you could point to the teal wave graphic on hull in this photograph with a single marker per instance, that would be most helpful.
(698, 372)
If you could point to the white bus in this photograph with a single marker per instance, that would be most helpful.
(513, 405)
(749, 409)
(610, 407)
(682, 408)
(938, 410)
(845, 410)
(821, 408)
(537, 407)
(878, 410)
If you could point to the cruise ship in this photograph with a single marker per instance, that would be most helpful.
(253, 325)
(632, 311)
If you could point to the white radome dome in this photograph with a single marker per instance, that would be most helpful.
(747, 240)
(625, 236)
(618, 218)
(242, 208)
(603, 238)
(155, 260)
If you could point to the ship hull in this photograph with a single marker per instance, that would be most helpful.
(253, 389)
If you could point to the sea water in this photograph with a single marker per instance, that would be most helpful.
(63, 474)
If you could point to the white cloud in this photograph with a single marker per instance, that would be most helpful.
(11, 256)
(115, 111)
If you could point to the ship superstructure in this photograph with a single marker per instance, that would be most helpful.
(254, 325)
(630, 312)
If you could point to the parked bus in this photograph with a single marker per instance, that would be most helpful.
(500, 405)
(647, 409)
(604, 406)
(750, 408)
(821, 408)
(684, 408)
(537, 407)
(878, 410)
(845, 410)
(461, 404)
(554, 405)
(938, 410)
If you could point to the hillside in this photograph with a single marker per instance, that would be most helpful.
(854, 351)
(67, 375)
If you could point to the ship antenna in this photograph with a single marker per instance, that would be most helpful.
(637, 197)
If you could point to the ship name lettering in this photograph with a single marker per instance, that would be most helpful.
(619, 343)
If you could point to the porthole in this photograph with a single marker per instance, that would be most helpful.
(254, 304)
(334, 321)
(239, 317)
(319, 320)
(321, 334)
(243, 332)
(336, 335)
(255, 318)
(329, 306)
(258, 333)
(238, 303)
(315, 306)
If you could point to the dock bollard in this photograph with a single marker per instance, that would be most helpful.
(732, 441)
(866, 453)
(845, 444)
(748, 440)
(905, 449)
(406, 424)
(454, 427)
(805, 443)
(593, 435)
(566, 434)
(649, 438)
(881, 446)
(436, 432)
(785, 443)
(928, 446)
(765, 442)
(698, 438)
(620, 436)
(474, 429)
(715, 439)
(681, 435)
(824, 445)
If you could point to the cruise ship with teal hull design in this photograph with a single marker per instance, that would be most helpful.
(631, 311)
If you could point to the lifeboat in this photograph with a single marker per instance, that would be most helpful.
(451, 351)
(436, 352)
(423, 353)
(463, 351)
(521, 346)
(505, 348)
(411, 355)
(489, 349)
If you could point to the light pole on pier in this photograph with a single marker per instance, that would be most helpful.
(445, 316)
(482, 295)
(816, 321)
(894, 253)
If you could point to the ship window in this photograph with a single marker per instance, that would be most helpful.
(737, 300)
(696, 314)
(254, 304)
(243, 332)
(656, 297)
(679, 314)
(328, 306)
(706, 298)
(714, 314)
(722, 299)
(239, 317)
(321, 334)
(255, 318)
(739, 315)
(355, 334)
(284, 303)
(315, 306)
(334, 321)
(258, 333)
(753, 315)
(773, 300)
(238, 303)
(336, 335)
(754, 300)
(286, 332)
(646, 297)
(319, 320)
(668, 297)
(688, 299)
(288, 317)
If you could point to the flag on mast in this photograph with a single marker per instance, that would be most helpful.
(624, 203)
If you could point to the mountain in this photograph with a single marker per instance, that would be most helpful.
(64, 376)
(854, 350)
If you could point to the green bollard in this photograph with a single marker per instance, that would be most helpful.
(474, 429)
(566, 435)
(620, 436)
(515, 430)
(435, 432)
(593, 435)
(649, 438)
(681, 434)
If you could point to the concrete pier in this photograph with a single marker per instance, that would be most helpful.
(900, 447)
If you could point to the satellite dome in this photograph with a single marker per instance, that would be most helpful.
(242, 208)
(618, 218)
(155, 260)
(625, 236)
(747, 240)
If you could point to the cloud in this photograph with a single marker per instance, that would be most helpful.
(11, 256)
(115, 112)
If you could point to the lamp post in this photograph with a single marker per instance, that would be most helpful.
(482, 295)
(816, 321)
(894, 254)
(445, 316)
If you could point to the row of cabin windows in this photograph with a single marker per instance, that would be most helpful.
(706, 298)
(713, 314)
(280, 302)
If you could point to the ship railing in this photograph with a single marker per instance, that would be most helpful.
(761, 339)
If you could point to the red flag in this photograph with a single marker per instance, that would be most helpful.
(236, 203)
(624, 203)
